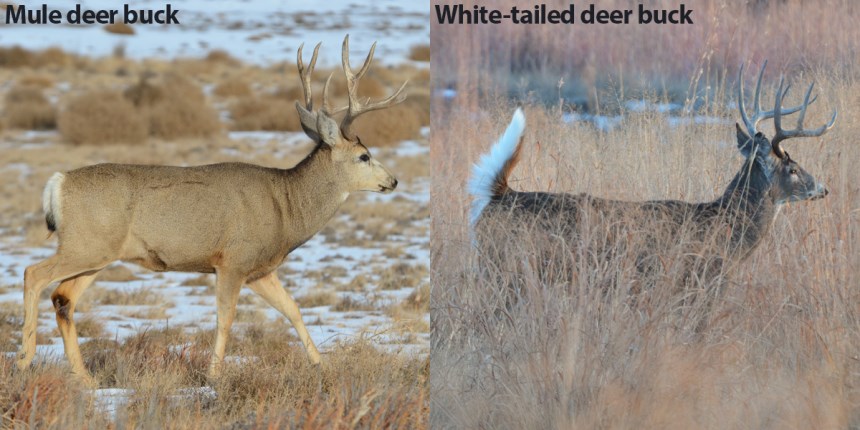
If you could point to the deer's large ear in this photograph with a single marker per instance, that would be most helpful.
(745, 142)
(328, 130)
(308, 120)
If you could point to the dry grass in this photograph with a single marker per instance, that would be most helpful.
(402, 275)
(235, 87)
(136, 296)
(264, 113)
(317, 298)
(349, 304)
(775, 348)
(27, 108)
(391, 126)
(174, 108)
(101, 117)
(17, 57)
(356, 386)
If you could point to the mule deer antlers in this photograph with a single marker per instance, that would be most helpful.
(354, 108)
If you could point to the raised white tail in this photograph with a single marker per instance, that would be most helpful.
(490, 174)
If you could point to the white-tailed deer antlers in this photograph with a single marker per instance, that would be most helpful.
(239, 221)
(778, 111)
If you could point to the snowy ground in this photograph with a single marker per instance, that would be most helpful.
(255, 31)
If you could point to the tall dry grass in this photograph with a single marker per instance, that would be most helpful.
(676, 61)
(776, 348)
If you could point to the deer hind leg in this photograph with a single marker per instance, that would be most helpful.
(64, 298)
(227, 287)
(36, 278)
(271, 290)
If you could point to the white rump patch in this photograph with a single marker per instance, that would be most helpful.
(51, 197)
(485, 172)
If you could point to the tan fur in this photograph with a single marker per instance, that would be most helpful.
(239, 221)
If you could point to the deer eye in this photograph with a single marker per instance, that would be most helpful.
(364, 157)
(793, 171)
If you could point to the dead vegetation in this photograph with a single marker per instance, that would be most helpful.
(576, 339)
(420, 53)
(175, 108)
(234, 87)
(101, 117)
(356, 387)
(263, 113)
(27, 108)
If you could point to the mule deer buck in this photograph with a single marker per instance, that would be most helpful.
(239, 221)
(731, 226)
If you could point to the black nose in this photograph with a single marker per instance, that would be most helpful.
(394, 185)
(826, 192)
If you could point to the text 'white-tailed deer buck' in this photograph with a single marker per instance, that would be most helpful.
(731, 226)
(237, 220)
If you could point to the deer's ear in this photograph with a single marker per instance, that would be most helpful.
(328, 129)
(745, 142)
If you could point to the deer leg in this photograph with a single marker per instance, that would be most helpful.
(36, 278)
(64, 298)
(227, 287)
(271, 290)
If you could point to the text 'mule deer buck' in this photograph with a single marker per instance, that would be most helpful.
(731, 226)
(239, 221)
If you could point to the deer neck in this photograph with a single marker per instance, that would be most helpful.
(749, 207)
(313, 191)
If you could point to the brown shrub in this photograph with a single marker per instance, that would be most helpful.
(119, 28)
(420, 104)
(264, 113)
(182, 117)
(144, 93)
(17, 56)
(389, 126)
(38, 81)
(420, 53)
(101, 117)
(40, 400)
(174, 108)
(233, 88)
(27, 108)
(222, 57)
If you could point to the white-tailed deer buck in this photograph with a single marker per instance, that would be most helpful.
(239, 221)
(732, 225)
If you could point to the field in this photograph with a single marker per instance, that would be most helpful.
(778, 347)
(72, 97)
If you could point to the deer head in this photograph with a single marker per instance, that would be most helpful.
(778, 173)
(339, 141)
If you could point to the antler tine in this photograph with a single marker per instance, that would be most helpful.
(799, 131)
(326, 106)
(759, 115)
(355, 107)
(741, 104)
(305, 74)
